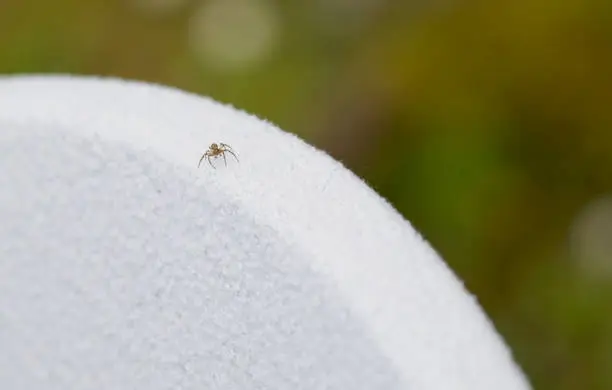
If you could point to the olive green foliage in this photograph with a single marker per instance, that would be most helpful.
(488, 124)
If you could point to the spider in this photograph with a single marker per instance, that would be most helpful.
(215, 151)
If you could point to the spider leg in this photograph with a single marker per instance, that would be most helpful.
(233, 154)
(211, 162)
(201, 158)
(224, 160)
(227, 147)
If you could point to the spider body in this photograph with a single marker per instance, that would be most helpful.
(216, 150)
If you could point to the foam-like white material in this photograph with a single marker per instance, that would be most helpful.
(124, 266)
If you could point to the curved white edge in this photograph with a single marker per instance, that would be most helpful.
(430, 327)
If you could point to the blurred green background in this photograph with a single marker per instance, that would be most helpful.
(488, 124)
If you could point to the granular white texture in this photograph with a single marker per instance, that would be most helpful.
(124, 266)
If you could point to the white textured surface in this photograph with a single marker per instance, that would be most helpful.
(123, 266)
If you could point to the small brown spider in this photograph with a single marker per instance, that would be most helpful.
(215, 151)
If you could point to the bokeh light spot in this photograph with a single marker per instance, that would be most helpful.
(591, 238)
(232, 35)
